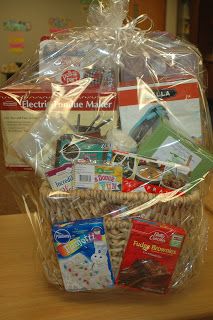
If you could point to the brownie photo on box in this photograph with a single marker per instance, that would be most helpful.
(146, 274)
(150, 256)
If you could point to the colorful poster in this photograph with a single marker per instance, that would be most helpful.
(57, 24)
(16, 42)
(14, 25)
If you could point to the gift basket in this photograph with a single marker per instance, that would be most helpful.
(108, 135)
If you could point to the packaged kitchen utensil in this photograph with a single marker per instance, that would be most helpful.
(112, 125)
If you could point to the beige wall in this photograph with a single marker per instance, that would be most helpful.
(37, 12)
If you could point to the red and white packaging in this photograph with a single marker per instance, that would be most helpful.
(22, 106)
(141, 174)
(61, 178)
(61, 62)
(151, 256)
(140, 186)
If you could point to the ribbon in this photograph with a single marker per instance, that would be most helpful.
(132, 25)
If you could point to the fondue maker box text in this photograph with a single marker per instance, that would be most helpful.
(22, 106)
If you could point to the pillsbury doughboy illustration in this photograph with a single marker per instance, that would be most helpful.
(84, 259)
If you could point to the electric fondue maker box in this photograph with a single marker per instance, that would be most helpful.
(21, 106)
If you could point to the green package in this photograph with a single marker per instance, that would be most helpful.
(71, 148)
(167, 144)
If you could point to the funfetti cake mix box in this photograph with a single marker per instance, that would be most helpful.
(83, 255)
(141, 106)
(22, 106)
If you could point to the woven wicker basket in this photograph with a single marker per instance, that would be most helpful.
(184, 211)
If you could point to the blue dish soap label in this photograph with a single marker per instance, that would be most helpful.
(83, 255)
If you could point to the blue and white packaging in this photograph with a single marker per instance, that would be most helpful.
(83, 255)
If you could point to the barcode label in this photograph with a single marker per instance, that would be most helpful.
(85, 178)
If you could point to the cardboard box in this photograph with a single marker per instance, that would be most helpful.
(22, 106)
(141, 106)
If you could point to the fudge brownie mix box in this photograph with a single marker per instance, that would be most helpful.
(151, 255)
